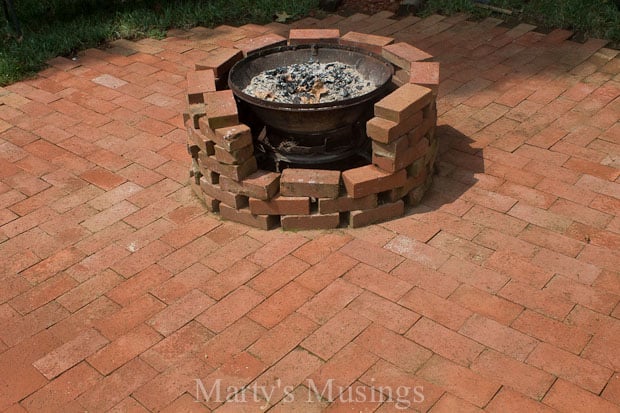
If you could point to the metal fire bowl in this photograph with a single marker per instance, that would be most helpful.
(314, 117)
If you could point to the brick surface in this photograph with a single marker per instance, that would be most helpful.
(498, 290)
(310, 183)
(403, 102)
(301, 36)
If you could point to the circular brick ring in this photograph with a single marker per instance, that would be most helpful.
(225, 175)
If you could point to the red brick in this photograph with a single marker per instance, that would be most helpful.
(459, 381)
(230, 199)
(605, 258)
(254, 44)
(129, 317)
(52, 265)
(233, 249)
(198, 83)
(425, 278)
(384, 312)
(233, 158)
(602, 349)
(231, 138)
(219, 285)
(367, 180)
(543, 301)
(281, 205)
(166, 387)
(387, 132)
(275, 308)
(310, 183)
(580, 213)
(393, 347)
(185, 403)
(571, 367)
(486, 304)
(550, 331)
(436, 308)
(460, 247)
(499, 337)
(551, 240)
(43, 293)
(123, 349)
(220, 60)
(386, 375)
(292, 369)
(371, 254)
(343, 368)
(417, 251)
(377, 281)
(89, 290)
(302, 36)
(308, 222)
(518, 268)
(102, 178)
(521, 377)
(403, 103)
(321, 247)
(63, 390)
(567, 397)
(345, 203)
(261, 185)
(230, 309)
(233, 340)
(507, 400)
(221, 110)
(244, 216)
(591, 168)
(444, 341)
(370, 42)
(402, 54)
(425, 74)
(115, 387)
(571, 267)
(235, 172)
(574, 291)
(180, 312)
(326, 271)
(612, 391)
(282, 338)
(184, 344)
(139, 284)
(464, 271)
(540, 217)
(69, 354)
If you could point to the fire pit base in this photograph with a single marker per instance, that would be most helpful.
(224, 145)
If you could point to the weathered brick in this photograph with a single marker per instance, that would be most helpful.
(214, 191)
(301, 36)
(220, 60)
(403, 103)
(369, 179)
(244, 216)
(360, 218)
(198, 83)
(402, 54)
(261, 185)
(310, 183)
(425, 74)
(234, 172)
(253, 44)
(281, 205)
(566, 397)
(402, 159)
(231, 138)
(221, 109)
(346, 203)
(314, 221)
(235, 157)
(370, 42)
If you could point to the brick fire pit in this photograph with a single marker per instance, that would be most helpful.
(225, 173)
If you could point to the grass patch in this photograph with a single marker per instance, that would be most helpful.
(593, 18)
(62, 27)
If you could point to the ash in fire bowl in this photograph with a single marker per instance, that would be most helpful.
(307, 83)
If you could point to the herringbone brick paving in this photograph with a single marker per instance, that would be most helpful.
(499, 292)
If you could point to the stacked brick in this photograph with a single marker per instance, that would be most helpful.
(225, 174)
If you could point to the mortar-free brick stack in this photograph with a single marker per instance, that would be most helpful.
(225, 174)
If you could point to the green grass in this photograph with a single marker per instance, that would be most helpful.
(62, 27)
(593, 18)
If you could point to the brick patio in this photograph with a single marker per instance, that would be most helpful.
(500, 291)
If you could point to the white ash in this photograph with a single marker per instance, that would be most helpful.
(309, 83)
